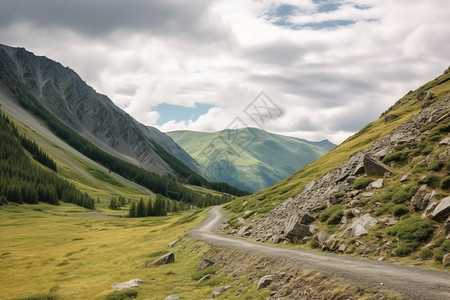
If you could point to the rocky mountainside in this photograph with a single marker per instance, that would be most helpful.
(389, 199)
(250, 158)
(94, 116)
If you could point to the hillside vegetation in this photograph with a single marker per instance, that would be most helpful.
(339, 205)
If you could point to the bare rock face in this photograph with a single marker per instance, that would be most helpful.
(373, 166)
(127, 285)
(163, 260)
(359, 226)
(265, 281)
(204, 263)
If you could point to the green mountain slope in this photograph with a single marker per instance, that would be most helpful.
(249, 158)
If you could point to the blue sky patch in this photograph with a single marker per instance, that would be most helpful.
(179, 113)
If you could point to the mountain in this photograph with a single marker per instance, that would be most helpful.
(249, 158)
(94, 116)
(384, 192)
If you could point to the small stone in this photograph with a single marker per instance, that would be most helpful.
(241, 220)
(173, 243)
(265, 281)
(377, 184)
(247, 213)
(404, 178)
(381, 258)
(172, 297)
(422, 180)
(445, 141)
(342, 248)
(206, 277)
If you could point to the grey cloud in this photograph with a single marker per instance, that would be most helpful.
(126, 90)
(180, 18)
(278, 53)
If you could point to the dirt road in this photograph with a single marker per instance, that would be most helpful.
(413, 283)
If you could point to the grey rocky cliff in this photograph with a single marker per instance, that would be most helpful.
(93, 115)
(321, 192)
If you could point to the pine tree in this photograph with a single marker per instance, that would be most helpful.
(140, 211)
(132, 212)
(149, 208)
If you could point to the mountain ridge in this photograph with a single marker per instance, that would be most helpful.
(93, 115)
(249, 158)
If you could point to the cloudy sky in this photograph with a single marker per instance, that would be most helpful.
(324, 68)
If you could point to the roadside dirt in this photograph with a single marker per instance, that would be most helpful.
(411, 282)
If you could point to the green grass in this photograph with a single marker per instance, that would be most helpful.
(104, 177)
(43, 254)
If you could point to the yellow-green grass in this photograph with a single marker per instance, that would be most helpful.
(76, 257)
(264, 201)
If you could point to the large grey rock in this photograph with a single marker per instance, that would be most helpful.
(296, 228)
(204, 263)
(322, 237)
(374, 167)
(245, 230)
(127, 285)
(359, 226)
(265, 281)
(419, 201)
(165, 259)
(442, 210)
(172, 297)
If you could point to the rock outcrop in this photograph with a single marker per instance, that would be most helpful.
(204, 263)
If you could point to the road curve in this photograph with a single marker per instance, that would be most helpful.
(411, 282)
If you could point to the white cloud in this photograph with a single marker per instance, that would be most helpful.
(328, 82)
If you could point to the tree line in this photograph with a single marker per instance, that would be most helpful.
(23, 181)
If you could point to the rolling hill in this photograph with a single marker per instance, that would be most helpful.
(249, 158)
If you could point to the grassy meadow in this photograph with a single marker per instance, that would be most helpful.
(79, 254)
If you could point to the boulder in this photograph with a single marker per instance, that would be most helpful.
(429, 210)
(245, 230)
(358, 170)
(296, 228)
(247, 213)
(163, 260)
(204, 263)
(359, 226)
(419, 201)
(377, 184)
(390, 118)
(265, 281)
(374, 167)
(445, 141)
(127, 285)
(219, 290)
(172, 297)
(322, 237)
(404, 178)
(446, 259)
(445, 156)
(241, 220)
(442, 210)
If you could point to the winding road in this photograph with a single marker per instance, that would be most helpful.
(411, 282)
